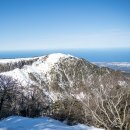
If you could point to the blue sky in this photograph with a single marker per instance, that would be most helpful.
(63, 24)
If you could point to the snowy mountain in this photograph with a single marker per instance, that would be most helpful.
(60, 75)
(60, 86)
(123, 66)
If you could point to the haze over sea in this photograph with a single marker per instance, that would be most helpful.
(92, 55)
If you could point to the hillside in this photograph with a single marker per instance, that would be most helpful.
(61, 86)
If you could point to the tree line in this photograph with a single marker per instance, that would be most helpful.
(107, 107)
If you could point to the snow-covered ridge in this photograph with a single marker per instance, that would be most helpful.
(41, 66)
(46, 68)
(44, 123)
(51, 58)
(11, 64)
(15, 60)
(47, 62)
(60, 77)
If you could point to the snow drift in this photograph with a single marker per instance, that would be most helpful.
(46, 123)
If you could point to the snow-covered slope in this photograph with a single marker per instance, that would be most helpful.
(42, 66)
(22, 123)
(10, 64)
(56, 77)
(60, 72)
(15, 60)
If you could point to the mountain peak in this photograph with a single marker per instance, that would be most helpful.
(63, 72)
(55, 57)
(42, 67)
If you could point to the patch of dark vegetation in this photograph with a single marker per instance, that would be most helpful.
(4, 67)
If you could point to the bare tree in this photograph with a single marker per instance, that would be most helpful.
(33, 103)
(109, 107)
(8, 90)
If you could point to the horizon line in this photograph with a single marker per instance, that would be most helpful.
(51, 49)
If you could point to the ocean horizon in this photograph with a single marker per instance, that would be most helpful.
(92, 55)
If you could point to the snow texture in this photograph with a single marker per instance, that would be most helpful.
(42, 66)
(15, 60)
(46, 123)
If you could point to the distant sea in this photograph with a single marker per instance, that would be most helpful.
(92, 55)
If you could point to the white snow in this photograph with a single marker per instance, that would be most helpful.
(122, 83)
(80, 96)
(45, 64)
(15, 60)
(43, 123)
(53, 58)
(40, 69)
(42, 66)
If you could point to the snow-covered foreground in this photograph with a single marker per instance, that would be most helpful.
(22, 123)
